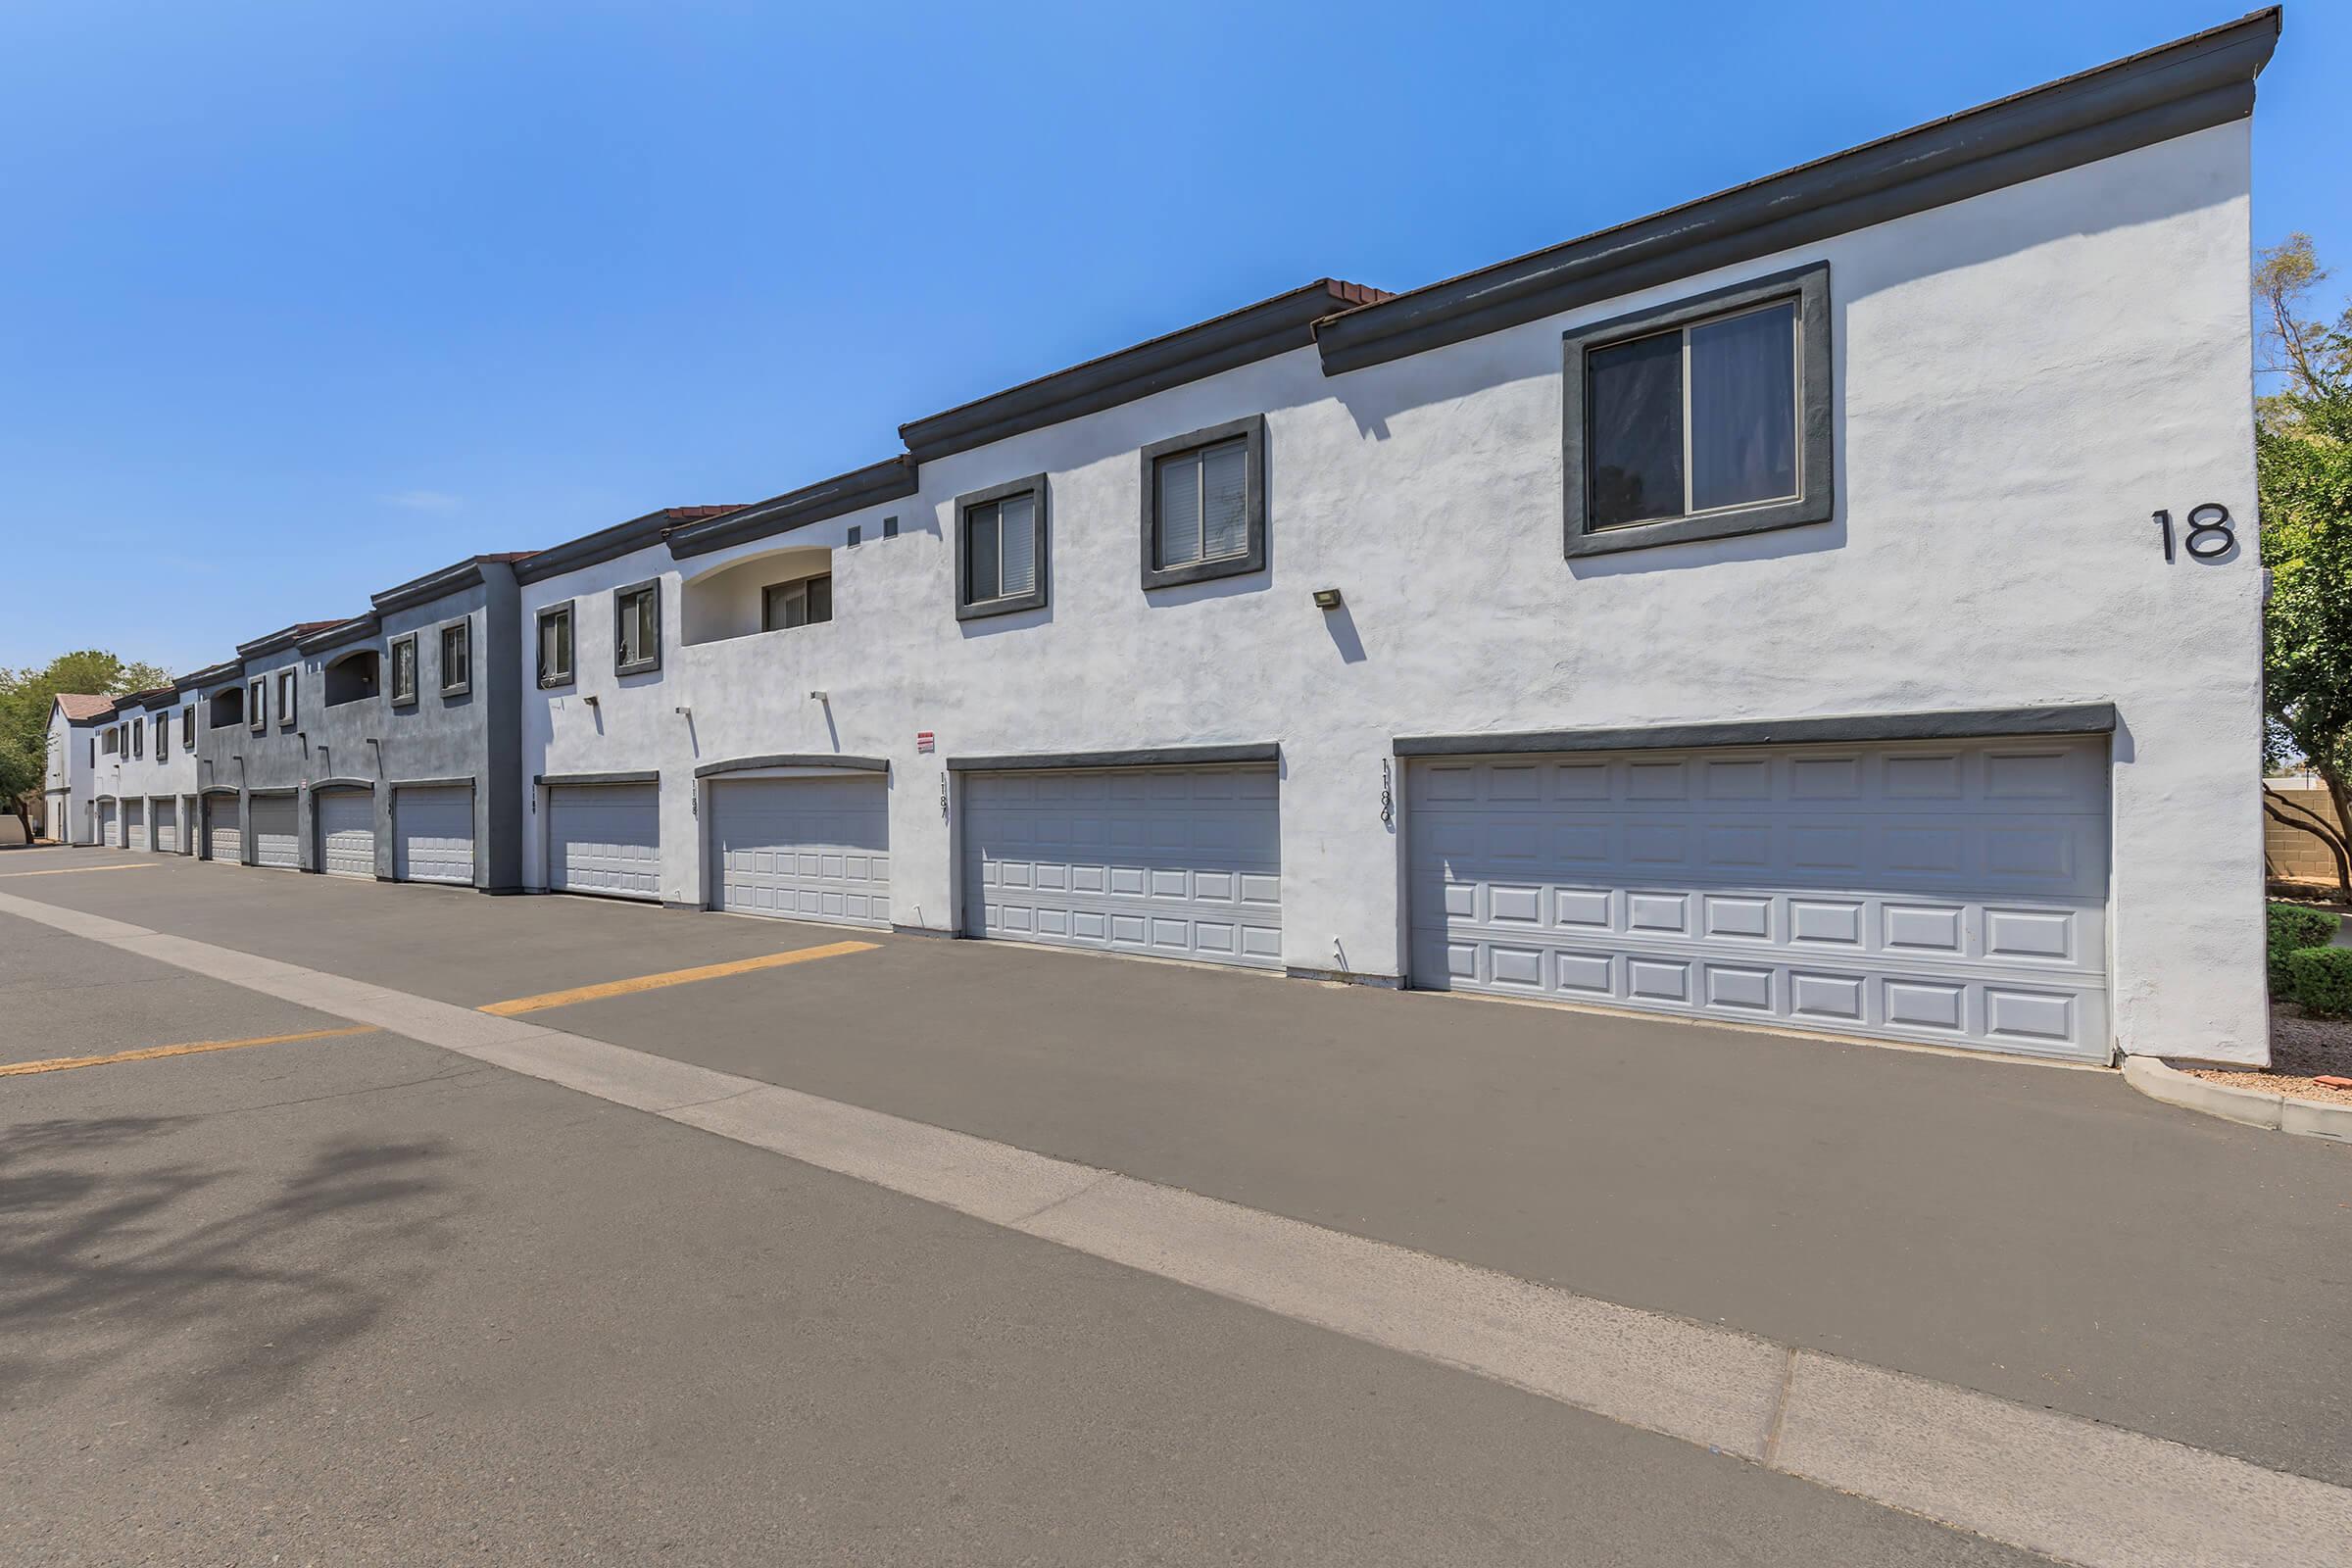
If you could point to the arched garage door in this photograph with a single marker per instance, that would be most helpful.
(167, 826)
(1946, 892)
(110, 823)
(223, 840)
(346, 832)
(276, 831)
(809, 849)
(433, 833)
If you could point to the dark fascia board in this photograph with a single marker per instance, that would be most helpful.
(1138, 756)
(162, 697)
(605, 544)
(891, 479)
(1241, 337)
(212, 675)
(284, 638)
(432, 585)
(552, 780)
(743, 764)
(1975, 723)
(2188, 85)
(357, 629)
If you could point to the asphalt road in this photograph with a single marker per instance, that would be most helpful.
(354, 1297)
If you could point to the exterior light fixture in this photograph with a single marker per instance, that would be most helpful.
(1327, 599)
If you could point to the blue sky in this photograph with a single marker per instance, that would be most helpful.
(298, 301)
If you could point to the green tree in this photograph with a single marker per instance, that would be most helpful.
(2303, 454)
(25, 697)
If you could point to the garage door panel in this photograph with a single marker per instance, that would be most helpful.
(346, 821)
(812, 848)
(223, 839)
(432, 834)
(1176, 862)
(276, 831)
(134, 824)
(167, 826)
(1957, 892)
(605, 839)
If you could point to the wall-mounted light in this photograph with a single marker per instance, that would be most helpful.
(820, 697)
(589, 700)
(684, 713)
(1327, 599)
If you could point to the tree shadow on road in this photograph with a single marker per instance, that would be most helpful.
(213, 1286)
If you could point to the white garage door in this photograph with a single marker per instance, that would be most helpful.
(1184, 862)
(134, 824)
(604, 838)
(222, 840)
(109, 831)
(276, 835)
(1941, 892)
(346, 832)
(432, 834)
(809, 849)
(166, 825)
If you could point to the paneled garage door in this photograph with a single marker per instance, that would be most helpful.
(222, 840)
(604, 838)
(167, 826)
(1182, 862)
(134, 824)
(110, 826)
(432, 834)
(276, 831)
(808, 849)
(1952, 893)
(346, 832)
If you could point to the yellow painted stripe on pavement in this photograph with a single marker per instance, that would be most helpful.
(675, 977)
(77, 870)
(151, 1053)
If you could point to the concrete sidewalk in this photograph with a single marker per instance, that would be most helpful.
(2037, 1232)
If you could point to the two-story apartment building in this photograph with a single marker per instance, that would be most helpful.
(1832, 604)
(381, 746)
(147, 782)
(69, 783)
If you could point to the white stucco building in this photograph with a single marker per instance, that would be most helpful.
(69, 783)
(144, 778)
(1832, 603)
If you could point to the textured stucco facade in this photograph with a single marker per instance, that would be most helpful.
(2021, 378)
(68, 786)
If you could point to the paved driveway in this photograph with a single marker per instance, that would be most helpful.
(667, 1337)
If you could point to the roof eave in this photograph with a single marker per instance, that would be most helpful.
(891, 479)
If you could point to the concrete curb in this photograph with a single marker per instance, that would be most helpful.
(2311, 1118)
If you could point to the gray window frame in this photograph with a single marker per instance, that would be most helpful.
(392, 673)
(539, 620)
(138, 740)
(257, 693)
(450, 688)
(1253, 430)
(767, 601)
(163, 737)
(652, 660)
(1037, 598)
(289, 701)
(187, 728)
(1816, 498)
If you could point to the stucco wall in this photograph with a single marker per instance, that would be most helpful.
(125, 777)
(2021, 380)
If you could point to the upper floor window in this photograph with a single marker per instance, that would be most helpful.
(637, 628)
(350, 679)
(187, 728)
(1701, 420)
(1204, 505)
(257, 697)
(163, 737)
(113, 742)
(457, 659)
(286, 697)
(404, 670)
(138, 737)
(1003, 549)
(555, 645)
(229, 707)
(797, 603)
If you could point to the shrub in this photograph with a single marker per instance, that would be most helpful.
(2322, 980)
(2291, 930)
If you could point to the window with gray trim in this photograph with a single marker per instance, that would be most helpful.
(555, 645)
(637, 627)
(162, 738)
(457, 659)
(257, 697)
(1004, 550)
(404, 670)
(806, 602)
(138, 738)
(285, 698)
(1204, 505)
(187, 728)
(1700, 420)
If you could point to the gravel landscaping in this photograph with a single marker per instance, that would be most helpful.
(2302, 1048)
